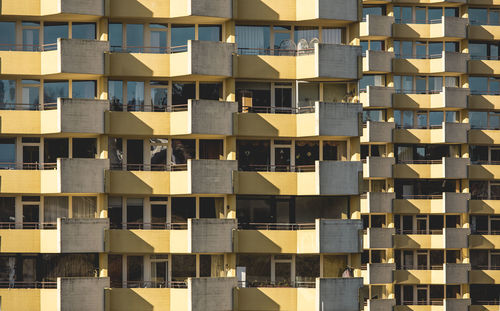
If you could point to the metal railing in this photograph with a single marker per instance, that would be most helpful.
(276, 110)
(288, 284)
(277, 168)
(28, 47)
(416, 56)
(485, 57)
(149, 108)
(27, 284)
(153, 226)
(149, 49)
(28, 225)
(420, 161)
(276, 52)
(276, 226)
(430, 302)
(417, 21)
(149, 284)
(421, 267)
(420, 232)
(422, 196)
(19, 106)
(149, 167)
(27, 166)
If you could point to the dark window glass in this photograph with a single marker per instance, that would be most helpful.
(253, 155)
(115, 212)
(135, 154)
(135, 268)
(116, 36)
(211, 149)
(182, 92)
(180, 36)
(183, 267)
(211, 91)
(135, 38)
(182, 150)
(209, 32)
(8, 37)
(53, 90)
(84, 147)
(84, 89)
(7, 212)
(7, 153)
(115, 89)
(182, 209)
(135, 96)
(53, 31)
(115, 272)
(83, 31)
(55, 148)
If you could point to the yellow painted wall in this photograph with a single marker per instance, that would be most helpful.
(48, 241)
(49, 121)
(484, 32)
(484, 241)
(17, 122)
(267, 125)
(267, 299)
(49, 181)
(266, 10)
(484, 67)
(139, 182)
(484, 137)
(132, 299)
(48, 299)
(20, 299)
(484, 172)
(266, 67)
(484, 277)
(139, 241)
(484, 206)
(419, 276)
(19, 241)
(419, 241)
(20, 7)
(19, 181)
(140, 64)
(20, 63)
(140, 8)
(138, 123)
(418, 206)
(484, 102)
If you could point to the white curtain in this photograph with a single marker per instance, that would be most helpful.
(332, 35)
(252, 37)
(84, 207)
(55, 207)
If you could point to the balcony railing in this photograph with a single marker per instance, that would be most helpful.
(116, 106)
(415, 56)
(149, 49)
(277, 110)
(284, 284)
(485, 57)
(149, 284)
(149, 167)
(151, 226)
(421, 267)
(28, 225)
(485, 267)
(440, 161)
(430, 302)
(29, 47)
(27, 166)
(276, 226)
(422, 196)
(277, 168)
(427, 232)
(27, 284)
(276, 52)
(417, 21)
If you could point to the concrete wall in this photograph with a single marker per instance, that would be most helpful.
(456, 304)
(338, 119)
(81, 294)
(211, 294)
(456, 273)
(381, 273)
(81, 175)
(338, 177)
(455, 168)
(211, 176)
(456, 132)
(211, 117)
(84, 7)
(338, 294)
(378, 167)
(381, 304)
(211, 58)
(455, 62)
(338, 60)
(209, 235)
(82, 56)
(379, 61)
(339, 235)
(380, 132)
(456, 237)
(380, 202)
(379, 96)
(212, 8)
(455, 97)
(456, 202)
(378, 25)
(81, 235)
(455, 27)
(380, 237)
(81, 115)
(338, 9)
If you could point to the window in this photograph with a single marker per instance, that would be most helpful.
(373, 115)
(209, 32)
(55, 207)
(135, 213)
(115, 212)
(52, 31)
(253, 94)
(183, 209)
(212, 91)
(7, 94)
(116, 36)
(484, 120)
(135, 96)
(306, 33)
(135, 154)
(211, 149)
(484, 85)
(158, 153)
(8, 37)
(253, 40)
(373, 10)
(84, 207)
(133, 92)
(115, 89)
(333, 35)
(182, 92)
(7, 212)
(374, 80)
(55, 148)
(84, 148)
(135, 271)
(84, 89)
(158, 37)
(135, 38)
(31, 36)
(159, 95)
(483, 50)
(182, 150)
(52, 90)
(180, 35)
(7, 153)
(484, 16)
(83, 31)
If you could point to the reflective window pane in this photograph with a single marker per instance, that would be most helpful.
(8, 37)
(478, 16)
(180, 36)
(478, 119)
(83, 31)
(7, 94)
(209, 32)
(436, 118)
(115, 90)
(7, 153)
(159, 99)
(31, 39)
(211, 91)
(115, 36)
(31, 97)
(135, 38)
(253, 39)
(135, 96)
(84, 89)
(53, 31)
(181, 92)
(158, 41)
(54, 89)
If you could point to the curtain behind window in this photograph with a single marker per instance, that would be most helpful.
(55, 207)
(84, 207)
(332, 35)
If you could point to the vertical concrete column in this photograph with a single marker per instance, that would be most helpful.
(103, 265)
(354, 149)
(230, 206)
(230, 88)
(230, 148)
(102, 147)
(102, 205)
(355, 209)
(102, 29)
(230, 264)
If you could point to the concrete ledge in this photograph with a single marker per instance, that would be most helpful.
(212, 8)
(77, 235)
(338, 294)
(211, 117)
(338, 119)
(454, 27)
(455, 62)
(338, 177)
(456, 202)
(378, 132)
(456, 237)
(379, 202)
(209, 235)
(377, 97)
(81, 175)
(211, 58)
(338, 60)
(455, 168)
(211, 294)
(377, 26)
(455, 132)
(81, 115)
(381, 273)
(346, 10)
(82, 7)
(455, 97)
(380, 237)
(339, 235)
(211, 176)
(81, 294)
(378, 167)
(456, 304)
(456, 273)
(81, 56)
(378, 61)
(381, 304)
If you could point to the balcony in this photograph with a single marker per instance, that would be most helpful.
(448, 62)
(326, 119)
(378, 167)
(71, 294)
(484, 101)
(378, 62)
(65, 176)
(335, 294)
(331, 62)
(69, 116)
(448, 168)
(483, 172)
(52, 7)
(451, 238)
(207, 235)
(377, 27)
(449, 133)
(484, 206)
(377, 202)
(449, 203)
(490, 137)
(297, 10)
(377, 97)
(449, 97)
(484, 67)
(484, 241)
(379, 238)
(446, 304)
(448, 274)
(484, 32)
(380, 304)
(380, 273)
(484, 276)
(71, 236)
(203, 117)
(201, 10)
(201, 177)
(449, 27)
(67, 56)
(378, 132)
(197, 59)
(328, 178)
(325, 236)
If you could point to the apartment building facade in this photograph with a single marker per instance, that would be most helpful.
(249, 155)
